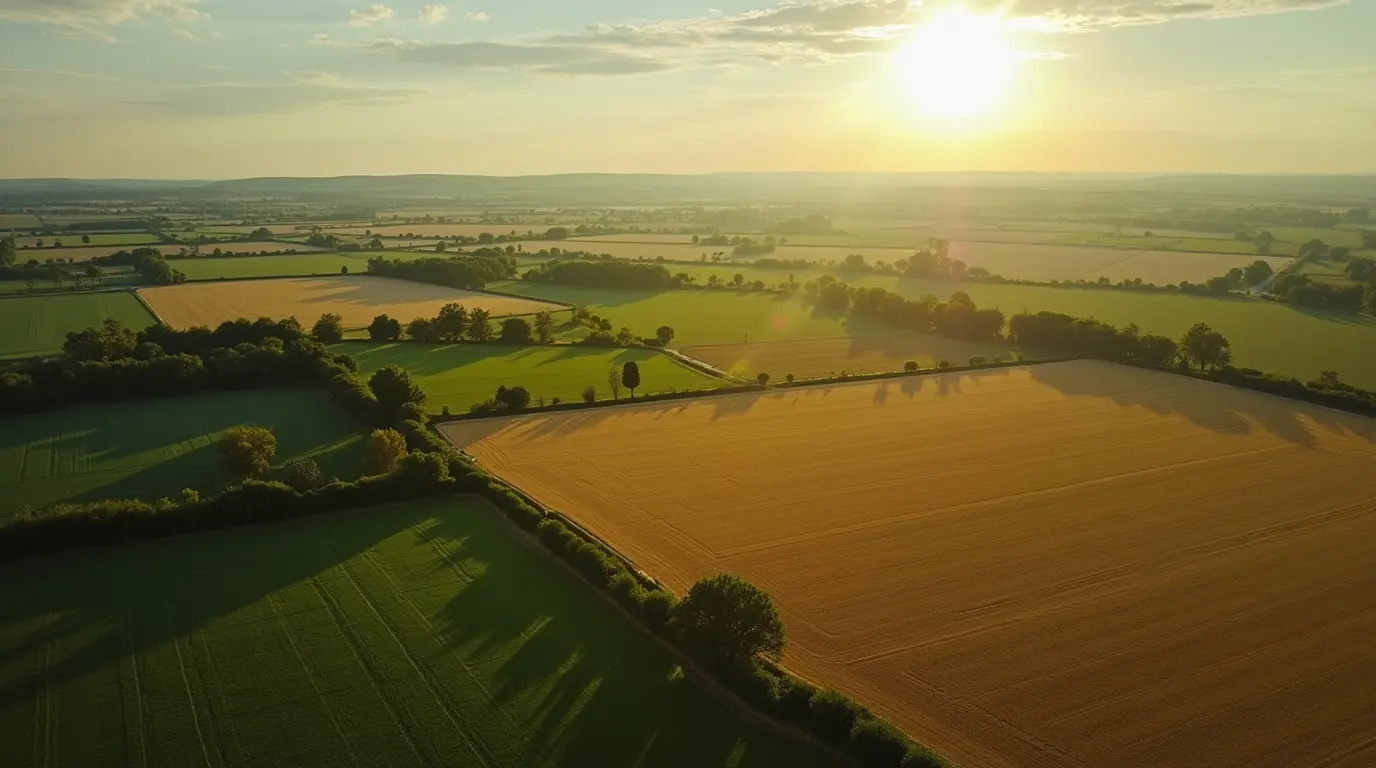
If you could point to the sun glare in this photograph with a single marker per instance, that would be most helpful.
(958, 65)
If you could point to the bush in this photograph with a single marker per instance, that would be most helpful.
(247, 450)
(944, 364)
(911, 366)
(833, 715)
(329, 329)
(877, 743)
(921, 757)
(386, 447)
(657, 609)
(728, 620)
(303, 474)
(590, 394)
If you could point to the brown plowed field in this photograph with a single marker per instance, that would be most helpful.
(357, 299)
(818, 358)
(1073, 564)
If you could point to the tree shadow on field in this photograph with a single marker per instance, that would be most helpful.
(1341, 317)
(577, 679)
(1216, 407)
(99, 606)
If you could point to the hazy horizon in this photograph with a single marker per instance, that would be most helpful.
(213, 89)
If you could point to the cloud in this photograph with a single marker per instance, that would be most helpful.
(320, 38)
(433, 14)
(477, 16)
(545, 59)
(299, 91)
(373, 14)
(1068, 16)
(77, 13)
(185, 34)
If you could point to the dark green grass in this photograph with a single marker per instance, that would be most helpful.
(458, 376)
(38, 325)
(1276, 338)
(154, 448)
(415, 635)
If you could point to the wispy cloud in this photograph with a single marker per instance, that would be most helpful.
(477, 16)
(373, 14)
(1069, 16)
(186, 34)
(434, 14)
(297, 92)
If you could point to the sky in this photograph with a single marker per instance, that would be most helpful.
(236, 88)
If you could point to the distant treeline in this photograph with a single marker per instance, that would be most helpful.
(148, 262)
(957, 317)
(469, 271)
(604, 273)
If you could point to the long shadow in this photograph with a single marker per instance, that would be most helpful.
(1235, 412)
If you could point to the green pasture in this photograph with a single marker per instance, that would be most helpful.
(285, 265)
(1350, 238)
(154, 448)
(1276, 338)
(460, 375)
(417, 635)
(31, 326)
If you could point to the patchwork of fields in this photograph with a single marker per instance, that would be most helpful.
(38, 325)
(414, 635)
(357, 299)
(154, 448)
(461, 375)
(1066, 564)
(817, 358)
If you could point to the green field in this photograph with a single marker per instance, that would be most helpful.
(73, 239)
(412, 635)
(154, 448)
(286, 265)
(460, 375)
(38, 325)
(1272, 337)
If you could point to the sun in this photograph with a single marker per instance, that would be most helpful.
(957, 66)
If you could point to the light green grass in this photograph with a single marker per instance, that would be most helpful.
(460, 375)
(38, 325)
(409, 636)
(1276, 338)
(154, 448)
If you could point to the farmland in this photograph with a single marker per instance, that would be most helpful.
(154, 448)
(38, 325)
(286, 265)
(1272, 337)
(258, 246)
(817, 358)
(70, 254)
(18, 221)
(459, 375)
(1066, 564)
(412, 635)
(691, 252)
(126, 239)
(357, 299)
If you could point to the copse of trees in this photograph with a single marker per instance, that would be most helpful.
(247, 451)
(148, 262)
(958, 317)
(470, 271)
(608, 273)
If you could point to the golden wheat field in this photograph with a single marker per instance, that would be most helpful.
(1070, 564)
(820, 358)
(357, 299)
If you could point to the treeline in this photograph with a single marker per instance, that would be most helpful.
(1359, 294)
(469, 271)
(958, 317)
(454, 323)
(1201, 352)
(1247, 218)
(148, 262)
(604, 273)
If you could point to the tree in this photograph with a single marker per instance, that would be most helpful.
(625, 337)
(386, 448)
(664, 334)
(763, 378)
(422, 329)
(452, 322)
(590, 394)
(614, 382)
(111, 341)
(8, 252)
(93, 272)
(329, 329)
(247, 450)
(515, 330)
(1315, 248)
(630, 376)
(1256, 272)
(1329, 379)
(544, 327)
(479, 328)
(729, 620)
(394, 389)
(86, 239)
(441, 246)
(303, 474)
(513, 399)
(1205, 348)
(384, 328)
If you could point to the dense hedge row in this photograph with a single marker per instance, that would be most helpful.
(604, 273)
(465, 272)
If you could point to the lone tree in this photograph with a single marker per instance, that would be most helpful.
(386, 449)
(384, 328)
(730, 620)
(329, 329)
(479, 329)
(394, 389)
(452, 322)
(515, 330)
(614, 382)
(544, 327)
(590, 394)
(763, 378)
(1204, 348)
(247, 450)
(664, 334)
(630, 376)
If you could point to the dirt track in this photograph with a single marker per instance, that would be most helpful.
(1076, 564)
(357, 299)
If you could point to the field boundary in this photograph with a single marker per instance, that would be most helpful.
(699, 677)
(144, 302)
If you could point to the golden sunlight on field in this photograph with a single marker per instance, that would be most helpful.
(357, 299)
(1065, 564)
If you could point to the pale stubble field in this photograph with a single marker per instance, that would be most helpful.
(1072, 564)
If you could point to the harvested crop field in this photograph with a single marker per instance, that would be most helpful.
(357, 299)
(816, 358)
(1065, 564)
